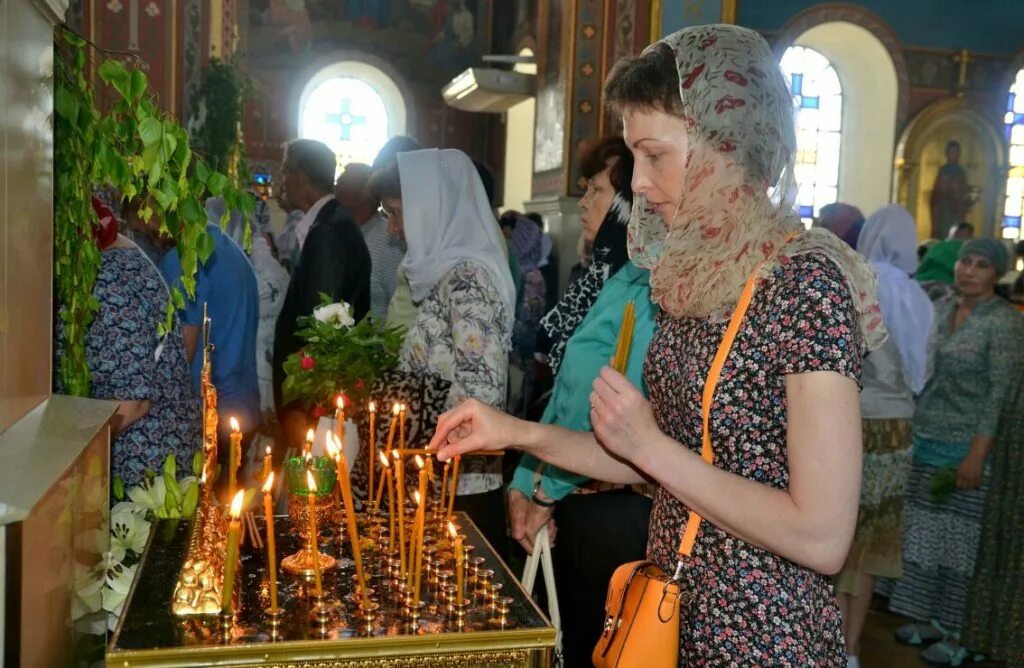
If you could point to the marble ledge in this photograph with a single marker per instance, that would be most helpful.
(38, 449)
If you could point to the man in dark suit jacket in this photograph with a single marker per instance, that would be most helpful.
(333, 260)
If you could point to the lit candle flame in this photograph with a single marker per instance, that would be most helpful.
(269, 484)
(268, 450)
(394, 453)
(419, 461)
(234, 425)
(332, 445)
(416, 496)
(451, 529)
(340, 402)
(310, 435)
(310, 481)
(384, 459)
(402, 407)
(373, 406)
(236, 504)
(395, 408)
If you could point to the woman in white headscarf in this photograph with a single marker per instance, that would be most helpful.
(770, 506)
(892, 375)
(458, 275)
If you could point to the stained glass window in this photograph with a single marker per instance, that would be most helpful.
(1014, 121)
(818, 98)
(348, 115)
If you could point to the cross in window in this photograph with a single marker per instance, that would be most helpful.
(345, 119)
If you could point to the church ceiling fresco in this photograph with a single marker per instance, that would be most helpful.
(426, 40)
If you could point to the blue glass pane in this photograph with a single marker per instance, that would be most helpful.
(798, 83)
(1009, 129)
(1009, 101)
(1018, 118)
(806, 211)
(1011, 221)
(809, 103)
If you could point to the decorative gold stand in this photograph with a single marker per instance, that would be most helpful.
(301, 563)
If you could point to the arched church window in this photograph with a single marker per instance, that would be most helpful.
(1014, 121)
(353, 107)
(818, 97)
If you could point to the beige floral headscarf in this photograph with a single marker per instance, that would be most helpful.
(736, 210)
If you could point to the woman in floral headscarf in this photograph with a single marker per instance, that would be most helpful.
(709, 119)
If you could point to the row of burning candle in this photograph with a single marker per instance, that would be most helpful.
(410, 546)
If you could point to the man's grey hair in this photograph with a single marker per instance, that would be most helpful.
(312, 158)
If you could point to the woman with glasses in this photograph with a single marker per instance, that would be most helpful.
(459, 277)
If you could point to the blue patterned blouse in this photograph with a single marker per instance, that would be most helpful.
(130, 362)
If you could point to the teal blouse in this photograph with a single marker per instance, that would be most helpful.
(588, 350)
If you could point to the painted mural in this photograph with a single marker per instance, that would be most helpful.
(428, 40)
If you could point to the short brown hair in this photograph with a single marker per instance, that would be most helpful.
(648, 82)
(609, 149)
(386, 183)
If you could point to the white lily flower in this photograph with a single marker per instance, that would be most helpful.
(150, 494)
(129, 530)
(337, 315)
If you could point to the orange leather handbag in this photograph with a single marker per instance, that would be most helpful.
(643, 608)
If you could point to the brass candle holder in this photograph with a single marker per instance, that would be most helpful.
(367, 617)
(501, 619)
(274, 618)
(483, 584)
(227, 622)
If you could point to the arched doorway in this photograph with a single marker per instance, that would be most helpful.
(353, 107)
(921, 153)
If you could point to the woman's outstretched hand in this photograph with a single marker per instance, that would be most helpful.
(470, 427)
(622, 418)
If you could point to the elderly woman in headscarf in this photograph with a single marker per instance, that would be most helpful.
(768, 500)
(892, 375)
(146, 373)
(459, 277)
(975, 362)
(843, 220)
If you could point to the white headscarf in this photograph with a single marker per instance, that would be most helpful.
(448, 220)
(889, 241)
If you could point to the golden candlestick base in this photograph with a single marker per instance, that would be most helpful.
(301, 563)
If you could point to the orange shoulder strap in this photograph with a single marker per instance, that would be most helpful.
(706, 452)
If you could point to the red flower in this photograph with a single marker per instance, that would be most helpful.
(729, 102)
(710, 232)
(736, 77)
(359, 385)
(691, 77)
(307, 362)
(727, 146)
(318, 411)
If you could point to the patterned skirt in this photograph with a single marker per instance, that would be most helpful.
(940, 544)
(876, 548)
(994, 623)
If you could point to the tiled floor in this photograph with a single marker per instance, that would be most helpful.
(879, 650)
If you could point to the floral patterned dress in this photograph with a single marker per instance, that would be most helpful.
(129, 362)
(751, 607)
(461, 335)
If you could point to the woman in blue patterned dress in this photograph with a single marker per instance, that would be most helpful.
(158, 413)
